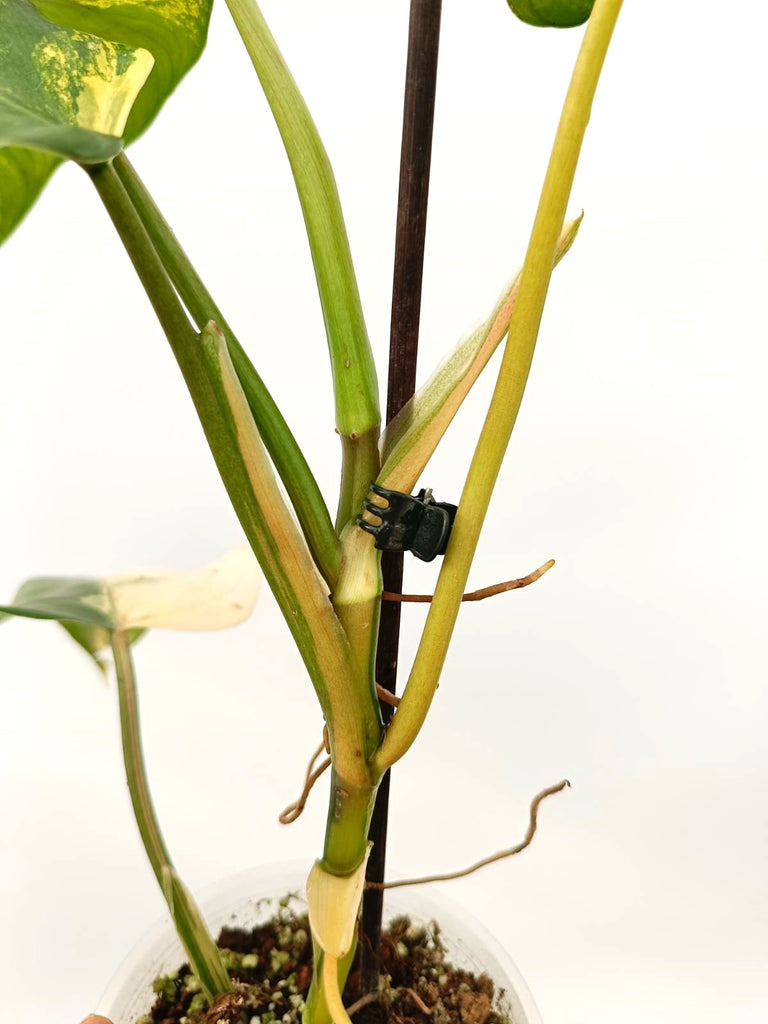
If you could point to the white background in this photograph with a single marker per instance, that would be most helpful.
(637, 667)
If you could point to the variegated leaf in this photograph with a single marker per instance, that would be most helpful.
(221, 595)
(172, 31)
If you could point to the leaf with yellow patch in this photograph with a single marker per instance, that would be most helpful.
(63, 91)
(173, 32)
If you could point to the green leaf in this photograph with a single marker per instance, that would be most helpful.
(71, 598)
(412, 436)
(63, 91)
(80, 604)
(173, 32)
(93, 639)
(23, 176)
(552, 13)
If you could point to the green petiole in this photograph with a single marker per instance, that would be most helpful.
(198, 943)
(297, 477)
(508, 394)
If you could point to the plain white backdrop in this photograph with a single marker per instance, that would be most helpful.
(637, 667)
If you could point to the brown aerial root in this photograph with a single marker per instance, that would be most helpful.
(366, 1000)
(387, 697)
(429, 1010)
(292, 811)
(476, 595)
(549, 791)
(374, 997)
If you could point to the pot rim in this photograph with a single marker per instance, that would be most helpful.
(219, 900)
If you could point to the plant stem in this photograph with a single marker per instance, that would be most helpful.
(346, 841)
(500, 420)
(201, 949)
(346, 835)
(415, 164)
(349, 708)
(360, 464)
(288, 458)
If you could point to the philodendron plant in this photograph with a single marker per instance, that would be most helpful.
(79, 81)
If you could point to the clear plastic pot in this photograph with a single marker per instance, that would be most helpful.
(248, 898)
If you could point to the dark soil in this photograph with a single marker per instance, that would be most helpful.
(272, 969)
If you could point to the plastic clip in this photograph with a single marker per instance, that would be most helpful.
(409, 523)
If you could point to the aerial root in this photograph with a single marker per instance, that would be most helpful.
(476, 595)
(292, 811)
(549, 791)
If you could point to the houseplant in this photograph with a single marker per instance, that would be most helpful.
(337, 644)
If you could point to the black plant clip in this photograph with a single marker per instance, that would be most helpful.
(409, 523)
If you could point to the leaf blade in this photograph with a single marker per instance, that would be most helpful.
(219, 596)
(62, 90)
(173, 31)
(79, 599)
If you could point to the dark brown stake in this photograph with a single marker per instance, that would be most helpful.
(415, 158)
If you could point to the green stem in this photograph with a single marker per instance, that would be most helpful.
(346, 832)
(361, 464)
(500, 420)
(246, 471)
(288, 458)
(354, 373)
(201, 949)
(151, 273)
(346, 841)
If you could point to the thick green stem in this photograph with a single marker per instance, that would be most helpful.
(357, 601)
(360, 465)
(346, 832)
(346, 843)
(288, 458)
(201, 949)
(500, 420)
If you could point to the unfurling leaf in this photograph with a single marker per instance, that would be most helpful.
(73, 82)
(221, 595)
(552, 13)
(412, 436)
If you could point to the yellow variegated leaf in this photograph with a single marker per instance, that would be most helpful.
(64, 91)
(74, 47)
